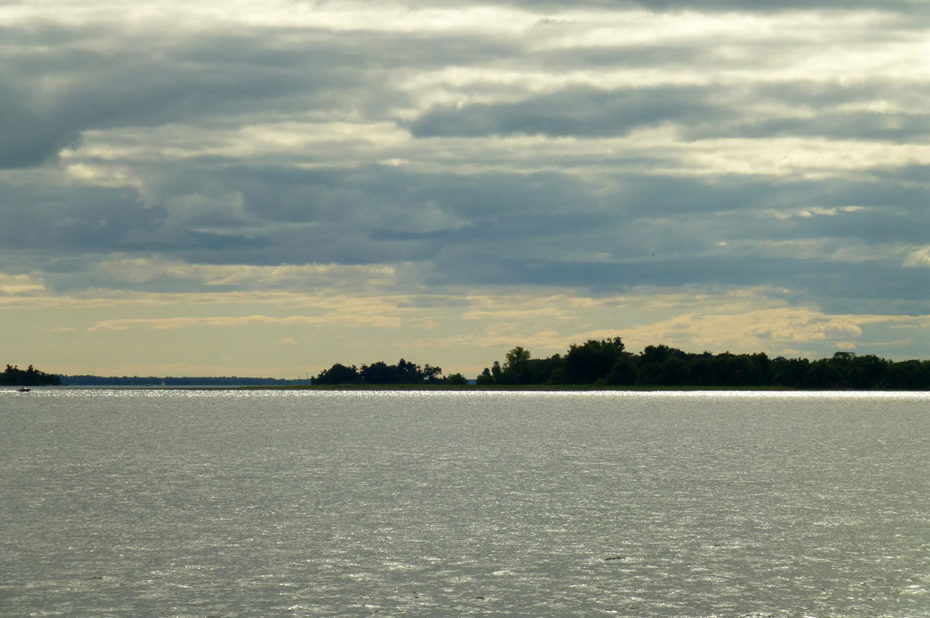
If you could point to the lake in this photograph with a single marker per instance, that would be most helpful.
(302, 503)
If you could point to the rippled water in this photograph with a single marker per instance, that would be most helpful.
(228, 503)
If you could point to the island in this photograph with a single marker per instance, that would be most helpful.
(14, 376)
(596, 363)
(605, 363)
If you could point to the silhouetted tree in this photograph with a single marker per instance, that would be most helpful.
(429, 374)
(592, 361)
(14, 376)
(516, 369)
(380, 373)
(623, 372)
(497, 373)
(338, 374)
(456, 379)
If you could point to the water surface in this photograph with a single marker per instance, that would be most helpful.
(230, 503)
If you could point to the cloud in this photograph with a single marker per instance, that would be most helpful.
(721, 5)
(174, 323)
(140, 272)
(104, 73)
(429, 155)
(21, 284)
(583, 112)
(919, 258)
(783, 331)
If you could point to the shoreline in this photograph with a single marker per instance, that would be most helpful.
(462, 388)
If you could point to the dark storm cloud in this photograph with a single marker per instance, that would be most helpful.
(61, 220)
(867, 287)
(386, 214)
(887, 225)
(490, 228)
(466, 206)
(662, 196)
(369, 215)
(500, 224)
(384, 196)
(98, 90)
(664, 232)
(56, 83)
(505, 223)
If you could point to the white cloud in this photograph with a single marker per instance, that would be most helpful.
(16, 285)
(919, 258)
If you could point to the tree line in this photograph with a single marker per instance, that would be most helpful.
(380, 373)
(175, 381)
(605, 362)
(14, 376)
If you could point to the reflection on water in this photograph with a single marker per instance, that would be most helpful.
(262, 503)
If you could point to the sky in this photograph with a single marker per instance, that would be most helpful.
(267, 188)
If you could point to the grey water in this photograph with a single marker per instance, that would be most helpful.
(266, 503)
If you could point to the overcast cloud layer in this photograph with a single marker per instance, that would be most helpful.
(267, 188)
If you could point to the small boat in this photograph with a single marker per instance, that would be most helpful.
(24, 390)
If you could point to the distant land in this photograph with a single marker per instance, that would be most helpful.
(605, 363)
(142, 381)
(14, 376)
(595, 363)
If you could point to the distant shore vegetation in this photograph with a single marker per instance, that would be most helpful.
(602, 363)
(176, 381)
(382, 374)
(606, 363)
(14, 376)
